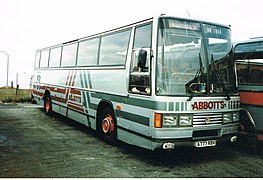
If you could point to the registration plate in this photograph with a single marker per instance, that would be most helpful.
(205, 143)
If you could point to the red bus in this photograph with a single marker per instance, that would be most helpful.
(248, 57)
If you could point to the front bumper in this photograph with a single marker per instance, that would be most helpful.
(190, 137)
(173, 144)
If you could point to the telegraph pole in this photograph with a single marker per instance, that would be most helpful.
(7, 67)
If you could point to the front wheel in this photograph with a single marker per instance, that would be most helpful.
(245, 124)
(247, 132)
(107, 126)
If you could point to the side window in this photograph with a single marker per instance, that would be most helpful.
(44, 58)
(140, 71)
(55, 54)
(143, 37)
(69, 53)
(88, 52)
(250, 74)
(37, 59)
(114, 48)
(256, 75)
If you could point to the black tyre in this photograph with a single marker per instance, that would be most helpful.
(248, 139)
(245, 125)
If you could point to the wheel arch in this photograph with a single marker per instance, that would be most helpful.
(102, 105)
(46, 94)
(245, 115)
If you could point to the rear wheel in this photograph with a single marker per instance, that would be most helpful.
(107, 126)
(48, 105)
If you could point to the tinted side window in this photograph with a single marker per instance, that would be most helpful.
(44, 58)
(250, 74)
(69, 55)
(88, 52)
(55, 54)
(114, 48)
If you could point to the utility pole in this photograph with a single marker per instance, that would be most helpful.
(7, 67)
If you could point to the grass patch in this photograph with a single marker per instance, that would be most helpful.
(14, 95)
(7, 100)
(10, 100)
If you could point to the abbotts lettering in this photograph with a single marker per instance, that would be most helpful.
(208, 105)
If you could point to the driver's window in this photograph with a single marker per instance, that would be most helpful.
(140, 71)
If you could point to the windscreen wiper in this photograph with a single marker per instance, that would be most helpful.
(219, 78)
(199, 73)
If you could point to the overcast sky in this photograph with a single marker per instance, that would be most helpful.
(28, 25)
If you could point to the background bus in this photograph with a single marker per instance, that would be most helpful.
(249, 67)
(162, 82)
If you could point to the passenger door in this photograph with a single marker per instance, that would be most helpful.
(139, 80)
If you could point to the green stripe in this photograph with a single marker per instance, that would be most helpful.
(149, 104)
(84, 84)
(89, 80)
(85, 79)
(171, 106)
(86, 93)
(182, 106)
(134, 117)
(251, 88)
(177, 106)
(91, 105)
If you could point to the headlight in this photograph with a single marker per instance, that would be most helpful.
(170, 120)
(227, 118)
(185, 120)
(235, 116)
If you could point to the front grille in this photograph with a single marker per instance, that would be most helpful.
(205, 119)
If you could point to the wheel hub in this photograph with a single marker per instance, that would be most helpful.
(47, 105)
(107, 125)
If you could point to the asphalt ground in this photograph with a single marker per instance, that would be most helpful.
(35, 145)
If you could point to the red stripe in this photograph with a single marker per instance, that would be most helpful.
(67, 91)
(59, 99)
(53, 97)
(75, 104)
(73, 78)
(43, 87)
(58, 90)
(67, 78)
(253, 98)
(75, 91)
(68, 83)
(53, 89)
(80, 109)
(70, 78)
(38, 93)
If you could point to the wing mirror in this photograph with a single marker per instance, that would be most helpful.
(142, 56)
